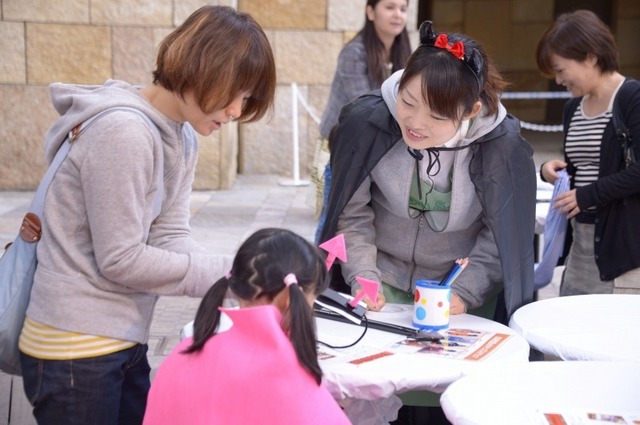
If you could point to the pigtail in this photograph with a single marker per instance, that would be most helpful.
(208, 315)
(258, 269)
(302, 332)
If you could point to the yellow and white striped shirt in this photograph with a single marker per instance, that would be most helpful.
(48, 343)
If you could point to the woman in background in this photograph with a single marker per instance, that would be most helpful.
(380, 48)
(603, 205)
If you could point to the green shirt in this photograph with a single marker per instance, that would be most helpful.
(430, 199)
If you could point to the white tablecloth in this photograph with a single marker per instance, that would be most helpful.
(583, 327)
(399, 373)
(368, 391)
(523, 393)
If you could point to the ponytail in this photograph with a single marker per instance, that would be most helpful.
(302, 332)
(208, 315)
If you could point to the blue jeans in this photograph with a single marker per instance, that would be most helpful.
(325, 201)
(110, 389)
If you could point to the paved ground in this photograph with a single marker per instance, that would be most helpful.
(221, 220)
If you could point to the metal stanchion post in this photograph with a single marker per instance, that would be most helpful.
(296, 181)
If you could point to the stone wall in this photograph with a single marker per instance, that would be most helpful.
(85, 42)
(306, 36)
(89, 41)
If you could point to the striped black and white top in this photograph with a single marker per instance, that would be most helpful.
(582, 144)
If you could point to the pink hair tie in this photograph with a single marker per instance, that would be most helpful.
(290, 279)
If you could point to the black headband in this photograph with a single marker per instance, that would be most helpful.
(471, 59)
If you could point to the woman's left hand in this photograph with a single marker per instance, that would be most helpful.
(567, 202)
(457, 306)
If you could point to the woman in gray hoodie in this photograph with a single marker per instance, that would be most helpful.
(432, 169)
(107, 251)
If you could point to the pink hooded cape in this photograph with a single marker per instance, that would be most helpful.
(247, 375)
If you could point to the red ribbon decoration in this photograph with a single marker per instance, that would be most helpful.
(457, 49)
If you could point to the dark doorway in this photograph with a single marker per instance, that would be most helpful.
(424, 11)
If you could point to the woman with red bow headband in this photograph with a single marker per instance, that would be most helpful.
(430, 169)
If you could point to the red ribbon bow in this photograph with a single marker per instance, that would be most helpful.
(457, 49)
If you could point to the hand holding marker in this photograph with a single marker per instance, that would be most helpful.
(454, 272)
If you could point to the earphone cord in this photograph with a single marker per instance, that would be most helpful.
(366, 326)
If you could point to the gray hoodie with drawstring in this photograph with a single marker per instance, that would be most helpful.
(104, 258)
(491, 214)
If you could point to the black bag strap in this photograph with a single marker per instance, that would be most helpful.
(623, 134)
(622, 131)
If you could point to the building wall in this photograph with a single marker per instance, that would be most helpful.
(85, 42)
(89, 41)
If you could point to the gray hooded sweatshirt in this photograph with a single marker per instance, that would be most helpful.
(104, 258)
(388, 241)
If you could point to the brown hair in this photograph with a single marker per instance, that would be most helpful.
(219, 53)
(575, 35)
(400, 49)
(449, 83)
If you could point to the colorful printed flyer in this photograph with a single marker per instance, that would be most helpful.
(467, 344)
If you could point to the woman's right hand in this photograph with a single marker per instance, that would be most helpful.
(550, 170)
(377, 306)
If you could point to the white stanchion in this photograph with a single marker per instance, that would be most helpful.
(296, 181)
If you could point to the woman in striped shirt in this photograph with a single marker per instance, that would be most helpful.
(579, 50)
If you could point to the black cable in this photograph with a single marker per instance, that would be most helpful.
(366, 326)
